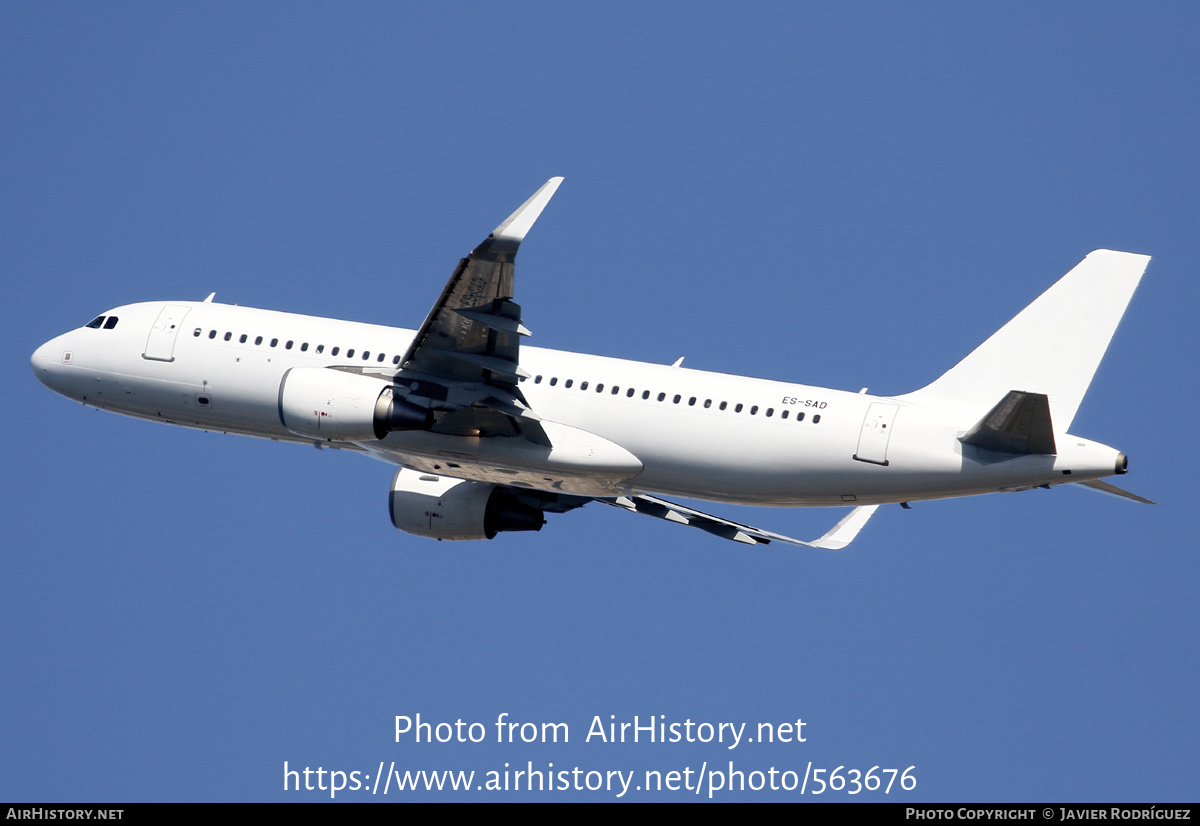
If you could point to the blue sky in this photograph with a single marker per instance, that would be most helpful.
(843, 195)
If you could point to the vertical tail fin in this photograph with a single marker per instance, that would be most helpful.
(1053, 346)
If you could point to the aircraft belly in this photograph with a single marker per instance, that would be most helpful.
(242, 401)
(460, 467)
(718, 461)
(576, 462)
(774, 464)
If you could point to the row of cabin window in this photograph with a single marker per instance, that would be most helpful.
(320, 348)
(629, 394)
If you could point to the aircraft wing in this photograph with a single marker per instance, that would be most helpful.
(464, 361)
(841, 535)
(473, 331)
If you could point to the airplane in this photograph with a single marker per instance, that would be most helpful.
(490, 434)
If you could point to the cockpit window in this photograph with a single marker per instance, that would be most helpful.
(96, 322)
(112, 322)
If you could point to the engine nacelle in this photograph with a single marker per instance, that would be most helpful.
(336, 406)
(444, 508)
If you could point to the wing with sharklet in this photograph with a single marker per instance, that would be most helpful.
(464, 361)
(838, 537)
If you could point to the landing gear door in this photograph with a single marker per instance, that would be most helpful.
(160, 346)
(876, 430)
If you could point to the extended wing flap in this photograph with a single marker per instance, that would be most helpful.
(842, 534)
(499, 366)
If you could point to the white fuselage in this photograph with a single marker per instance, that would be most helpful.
(695, 434)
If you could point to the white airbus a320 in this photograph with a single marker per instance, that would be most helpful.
(490, 435)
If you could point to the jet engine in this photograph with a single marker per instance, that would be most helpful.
(444, 508)
(336, 406)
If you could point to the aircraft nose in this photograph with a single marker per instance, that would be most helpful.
(48, 362)
(38, 361)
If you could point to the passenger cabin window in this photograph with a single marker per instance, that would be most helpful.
(304, 347)
(287, 346)
(350, 353)
(228, 336)
(95, 323)
(395, 359)
(258, 340)
(243, 338)
(817, 419)
(195, 332)
(320, 348)
(212, 333)
(334, 351)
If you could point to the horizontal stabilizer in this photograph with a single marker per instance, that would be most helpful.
(1020, 424)
(842, 534)
(1113, 490)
